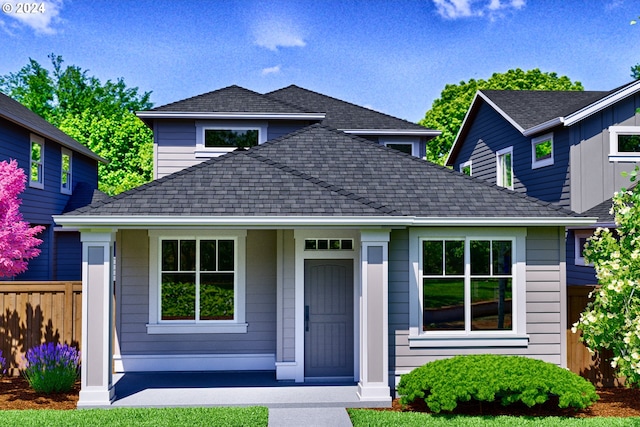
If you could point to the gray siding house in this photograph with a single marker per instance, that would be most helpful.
(564, 147)
(62, 175)
(319, 254)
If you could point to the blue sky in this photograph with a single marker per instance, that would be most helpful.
(393, 56)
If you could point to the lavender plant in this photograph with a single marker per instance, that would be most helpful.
(51, 368)
(3, 366)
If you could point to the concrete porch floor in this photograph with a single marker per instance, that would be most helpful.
(166, 389)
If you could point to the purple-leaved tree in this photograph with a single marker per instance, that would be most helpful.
(18, 243)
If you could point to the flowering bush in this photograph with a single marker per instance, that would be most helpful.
(51, 368)
(612, 320)
(3, 367)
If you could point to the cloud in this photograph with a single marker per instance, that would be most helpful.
(41, 16)
(456, 9)
(275, 32)
(271, 70)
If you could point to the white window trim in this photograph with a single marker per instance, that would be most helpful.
(157, 326)
(413, 148)
(69, 189)
(395, 140)
(535, 164)
(38, 140)
(614, 154)
(517, 337)
(499, 174)
(468, 163)
(578, 258)
(202, 125)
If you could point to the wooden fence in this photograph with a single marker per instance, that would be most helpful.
(36, 312)
(596, 368)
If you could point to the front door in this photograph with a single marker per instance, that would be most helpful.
(328, 336)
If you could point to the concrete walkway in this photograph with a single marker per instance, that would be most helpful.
(289, 403)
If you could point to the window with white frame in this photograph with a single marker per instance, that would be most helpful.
(542, 151)
(580, 241)
(66, 184)
(197, 284)
(504, 167)
(36, 162)
(624, 143)
(470, 289)
(214, 138)
(466, 168)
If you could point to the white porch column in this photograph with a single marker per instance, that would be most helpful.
(97, 319)
(374, 317)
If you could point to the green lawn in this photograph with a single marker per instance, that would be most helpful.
(139, 417)
(367, 418)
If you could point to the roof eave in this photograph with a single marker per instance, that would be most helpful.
(404, 132)
(542, 127)
(101, 222)
(602, 103)
(228, 115)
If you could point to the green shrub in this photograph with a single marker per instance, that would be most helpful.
(487, 377)
(51, 368)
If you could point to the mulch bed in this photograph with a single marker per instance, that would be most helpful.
(15, 393)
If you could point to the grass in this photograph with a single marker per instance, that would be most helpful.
(139, 417)
(367, 418)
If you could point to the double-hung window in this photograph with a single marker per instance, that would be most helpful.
(66, 184)
(36, 162)
(504, 167)
(470, 289)
(198, 284)
(624, 143)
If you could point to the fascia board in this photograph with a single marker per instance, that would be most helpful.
(501, 112)
(542, 127)
(602, 104)
(228, 115)
(454, 146)
(94, 221)
(405, 132)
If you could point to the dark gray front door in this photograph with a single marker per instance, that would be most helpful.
(328, 299)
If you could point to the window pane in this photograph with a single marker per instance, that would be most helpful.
(506, 170)
(347, 244)
(432, 257)
(491, 304)
(169, 255)
(36, 152)
(187, 255)
(35, 172)
(178, 294)
(334, 244)
(543, 150)
(230, 138)
(66, 163)
(480, 262)
(466, 170)
(208, 255)
(502, 259)
(405, 148)
(323, 244)
(216, 296)
(225, 255)
(310, 244)
(454, 257)
(443, 304)
(628, 143)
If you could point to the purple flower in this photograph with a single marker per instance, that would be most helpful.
(51, 367)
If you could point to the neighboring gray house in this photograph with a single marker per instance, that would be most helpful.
(318, 254)
(195, 129)
(62, 175)
(564, 147)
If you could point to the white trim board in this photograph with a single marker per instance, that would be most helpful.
(194, 362)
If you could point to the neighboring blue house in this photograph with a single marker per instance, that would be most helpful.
(564, 147)
(62, 175)
(283, 236)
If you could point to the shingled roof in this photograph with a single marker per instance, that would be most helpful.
(17, 113)
(321, 172)
(340, 114)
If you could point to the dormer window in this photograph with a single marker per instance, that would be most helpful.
(36, 162)
(215, 138)
(624, 143)
(542, 151)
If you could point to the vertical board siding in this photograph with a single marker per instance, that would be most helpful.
(133, 305)
(32, 313)
(544, 324)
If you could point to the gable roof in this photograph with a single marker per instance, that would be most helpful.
(533, 112)
(344, 115)
(314, 176)
(17, 113)
(292, 102)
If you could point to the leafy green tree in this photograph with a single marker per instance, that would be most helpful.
(612, 320)
(448, 111)
(98, 115)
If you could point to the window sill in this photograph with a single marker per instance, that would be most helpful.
(619, 157)
(190, 328)
(466, 341)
